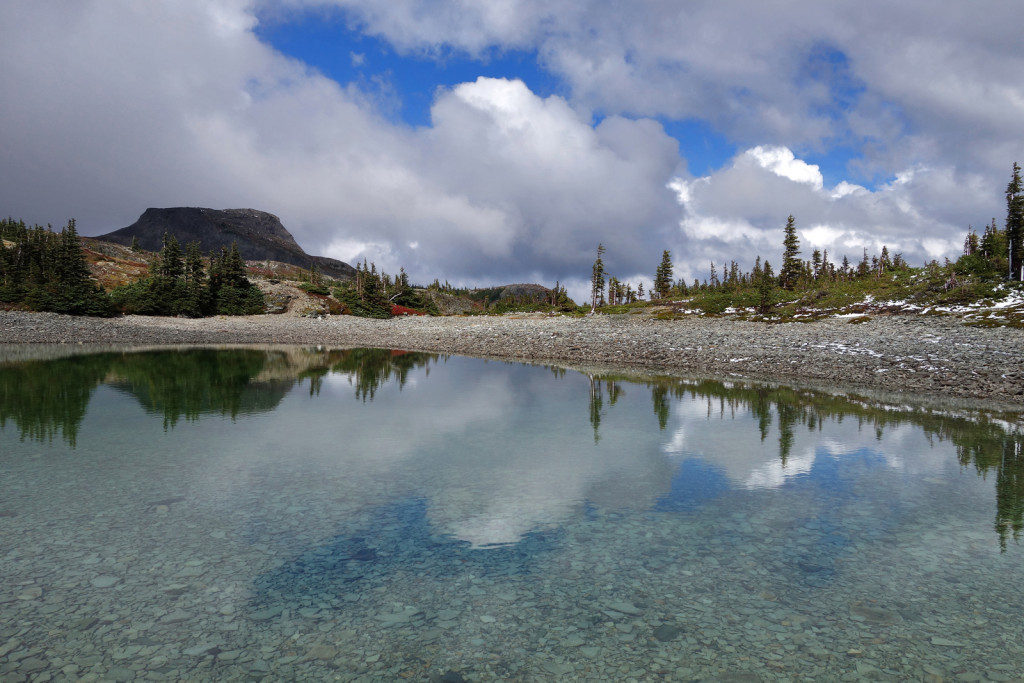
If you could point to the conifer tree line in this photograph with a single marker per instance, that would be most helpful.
(180, 284)
(373, 294)
(43, 270)
(997, 253)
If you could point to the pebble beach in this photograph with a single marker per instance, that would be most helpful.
(917, 357)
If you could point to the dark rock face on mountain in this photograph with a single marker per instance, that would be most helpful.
(260, 236)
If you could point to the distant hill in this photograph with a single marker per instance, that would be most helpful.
(260, 236)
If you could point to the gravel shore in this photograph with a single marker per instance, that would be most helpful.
(915, 356)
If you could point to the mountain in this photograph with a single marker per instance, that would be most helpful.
(260, 236)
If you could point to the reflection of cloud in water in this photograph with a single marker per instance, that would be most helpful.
(737, 448)
(773, 473)
(495, 454)
(500, 453)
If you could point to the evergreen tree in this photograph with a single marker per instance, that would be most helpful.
(172, 266)
(992, 243)
(233, 270)
(75, 291)
(44, 271)
(196, 301)
(1015, 225)
(178, 286)
(864, 267)
(597, 279)
(765, 287)
(791, 266)
(663, 276)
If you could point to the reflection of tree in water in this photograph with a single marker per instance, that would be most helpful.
(662, 406)
(984, 441)
(990, 449)
(188, 383)
(46, 397)
(372, 368)
(615, 392)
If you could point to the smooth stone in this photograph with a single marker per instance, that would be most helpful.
(322, 651)
(667, 632)
(431, 635)
(945, 642)
(876, 614)
(30, 593)
(199, 650)
(121, 674)
(265, 614)
(175, 617)
(104, 581)
(10, 646)
(32, 664)
(625, 608)
(556, 669)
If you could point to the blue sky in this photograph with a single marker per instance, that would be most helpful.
(323, 40)
(484, 143)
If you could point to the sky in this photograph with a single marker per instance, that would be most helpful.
(487, 143)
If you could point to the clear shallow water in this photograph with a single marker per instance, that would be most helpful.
(368, 515)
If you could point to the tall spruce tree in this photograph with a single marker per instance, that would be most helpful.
(791, 265)
(196, 299)
(172, 266)
(663, 275)
(765, 281)
(1015, 225)
(597, 279)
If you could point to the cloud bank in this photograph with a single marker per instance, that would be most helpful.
(110, 106)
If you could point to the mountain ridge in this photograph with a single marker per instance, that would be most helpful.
(260, 236)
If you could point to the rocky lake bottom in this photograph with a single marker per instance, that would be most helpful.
(381, 516)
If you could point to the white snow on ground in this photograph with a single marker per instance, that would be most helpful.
(846, 349)
(1012, 299)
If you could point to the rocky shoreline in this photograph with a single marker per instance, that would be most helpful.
(916, 357)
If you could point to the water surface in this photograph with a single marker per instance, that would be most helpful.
(321, 514)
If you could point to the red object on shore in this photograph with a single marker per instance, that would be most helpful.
(402, 310)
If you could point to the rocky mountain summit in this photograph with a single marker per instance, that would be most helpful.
(260, 236)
